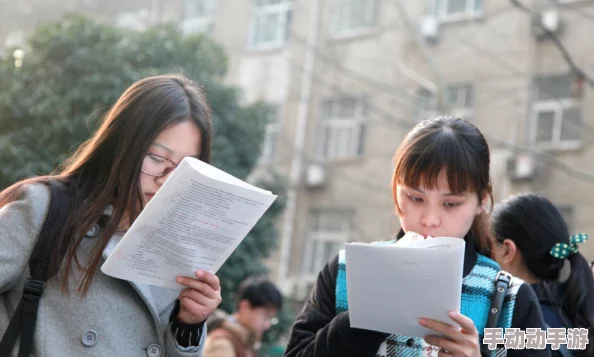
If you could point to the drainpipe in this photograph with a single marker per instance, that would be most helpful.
(296, 163)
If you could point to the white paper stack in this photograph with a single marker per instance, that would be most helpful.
(390, 287)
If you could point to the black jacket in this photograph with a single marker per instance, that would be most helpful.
(319, 331)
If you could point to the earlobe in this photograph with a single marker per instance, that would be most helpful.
(509, 251)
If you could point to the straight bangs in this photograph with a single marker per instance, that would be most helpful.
(420, 162)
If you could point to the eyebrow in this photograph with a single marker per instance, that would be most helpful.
(164, 147)
(449, 194)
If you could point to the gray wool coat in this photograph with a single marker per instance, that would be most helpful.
(117, 317)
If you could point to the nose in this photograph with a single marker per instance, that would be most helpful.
(430, 218)
(161, 180)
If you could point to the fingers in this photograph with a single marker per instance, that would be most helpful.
(465, 322)
(193, 312)
(449, 331)
(208, 278)
(455, 341)
(199, 286)
(453, 332)
(195, 296)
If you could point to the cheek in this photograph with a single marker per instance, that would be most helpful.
(407, 215)
(145, 183)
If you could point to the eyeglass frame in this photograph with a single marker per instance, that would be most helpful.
(168, 170)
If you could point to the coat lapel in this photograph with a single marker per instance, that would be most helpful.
(156, 298)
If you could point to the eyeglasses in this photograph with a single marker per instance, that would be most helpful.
(157, 166)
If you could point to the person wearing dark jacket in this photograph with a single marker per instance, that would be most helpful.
(533, 242)
(440, 186)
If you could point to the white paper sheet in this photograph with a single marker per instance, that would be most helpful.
(390, 287)
(195, 221)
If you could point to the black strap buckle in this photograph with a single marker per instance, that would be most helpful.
(504, 276)
(33, 289)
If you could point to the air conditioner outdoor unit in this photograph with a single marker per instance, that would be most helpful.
(521, 167)
(547, 20)
(429, 28)
(315, 176)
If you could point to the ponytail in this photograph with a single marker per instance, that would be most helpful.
(578, 301)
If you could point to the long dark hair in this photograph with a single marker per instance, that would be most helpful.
(535, 225)
(453, 145)
(105, 169)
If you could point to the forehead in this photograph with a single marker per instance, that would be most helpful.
(442, 180)
(182, 139)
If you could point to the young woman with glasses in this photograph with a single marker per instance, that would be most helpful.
(106, 183)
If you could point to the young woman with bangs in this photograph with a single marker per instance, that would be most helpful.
(440, 186)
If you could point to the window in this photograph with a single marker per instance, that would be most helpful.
(456, 9)
(341, 134)
(198, 16)
(350, 17)
(327, 233)
(270, 24)
(556, 116)
(271, 131)
(458, 97)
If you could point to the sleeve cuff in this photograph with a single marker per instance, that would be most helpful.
(186, 335)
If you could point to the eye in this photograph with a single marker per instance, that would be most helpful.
(415, 198)
(451, 204)
(156, 158)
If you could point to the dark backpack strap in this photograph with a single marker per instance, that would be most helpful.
(25, 317)
(502, 283)
(563, 350)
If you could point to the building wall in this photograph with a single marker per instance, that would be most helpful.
(386, 64)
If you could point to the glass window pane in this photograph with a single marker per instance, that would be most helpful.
(468, 91)
(328, 252)
(326, 142)
(315, 257)
(426, 99)
(544, 126)
(554, 87)
(571, 124)
(478, 5)
(451, 95)
(362, 13)
(456, 6)
(347, 108)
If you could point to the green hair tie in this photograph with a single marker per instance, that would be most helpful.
(563, 250)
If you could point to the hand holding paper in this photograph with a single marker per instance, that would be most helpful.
(390, 287)
(194, 222)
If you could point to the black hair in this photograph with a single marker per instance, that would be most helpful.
(260, 292)
(535, 225)
(453, 145)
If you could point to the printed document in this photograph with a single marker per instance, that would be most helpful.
(195, 221)
(391, 286)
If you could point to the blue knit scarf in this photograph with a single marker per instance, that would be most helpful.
(477, 290)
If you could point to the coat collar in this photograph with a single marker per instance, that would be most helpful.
(158, 299)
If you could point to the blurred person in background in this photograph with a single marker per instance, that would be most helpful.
(258, 302)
